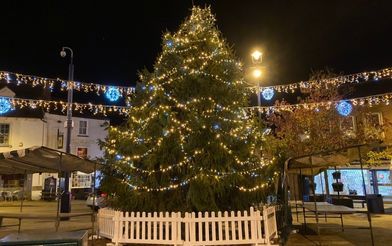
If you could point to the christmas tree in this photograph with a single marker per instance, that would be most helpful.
(188, 145)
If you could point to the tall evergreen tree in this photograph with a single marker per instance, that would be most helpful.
(188, 145)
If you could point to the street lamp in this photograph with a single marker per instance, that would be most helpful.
(257, 58)
(65, 197)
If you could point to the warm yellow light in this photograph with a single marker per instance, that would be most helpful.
(257, 73)
(257, 56)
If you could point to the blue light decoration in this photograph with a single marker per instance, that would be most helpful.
(344, 108)
(5, 105)
(268, 93)
(169, 43)
(113, 94)
(216, 126)
(119, 157)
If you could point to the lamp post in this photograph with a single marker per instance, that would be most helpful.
(257, 58)
(65, 197)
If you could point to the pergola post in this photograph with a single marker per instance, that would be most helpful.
(314, 194)
(364, 192)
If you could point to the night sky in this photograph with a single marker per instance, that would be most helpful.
(112, 40)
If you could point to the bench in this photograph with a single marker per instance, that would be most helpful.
(360, 201)
(35, 216)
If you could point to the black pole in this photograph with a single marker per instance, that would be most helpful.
(314, 195)
(364, 192)
(66, 199)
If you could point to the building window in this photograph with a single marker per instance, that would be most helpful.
(83, 127)
(374, 120)
(374, 126)
(348, 126)
(4, 134)
(82, 153)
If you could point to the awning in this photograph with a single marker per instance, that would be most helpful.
(42, 159)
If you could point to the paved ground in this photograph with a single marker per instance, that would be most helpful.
(382, 229)
(46, 226)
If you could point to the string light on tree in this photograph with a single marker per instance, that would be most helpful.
(268, 93)
(113, 94)
(344, 108)
(5, 105)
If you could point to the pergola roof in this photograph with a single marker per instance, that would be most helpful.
(43, 159)
(344, 157)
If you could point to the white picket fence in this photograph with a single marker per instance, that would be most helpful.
(255, 227)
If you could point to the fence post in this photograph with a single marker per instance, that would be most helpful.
(253, 229)
(117, 229)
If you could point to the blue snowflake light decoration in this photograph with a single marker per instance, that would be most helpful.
(5, 105)
(268, 93)
(113, 94)
(344, 108)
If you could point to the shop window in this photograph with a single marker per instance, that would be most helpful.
(4, 134)
(384, 182)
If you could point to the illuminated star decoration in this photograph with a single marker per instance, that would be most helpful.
(5, 105)
(268, 93)
(344, 108)
(113, 94)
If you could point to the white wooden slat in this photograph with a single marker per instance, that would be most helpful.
(246, 225)
(213, 227)
(225, 214)
(233, 229)
(239, 226)
(137, 226)
(200, 227)
(167, 227)
(143, 226)
(161, 226)
(149, 226)
(220, 227)
(207, 229)
(155, 226)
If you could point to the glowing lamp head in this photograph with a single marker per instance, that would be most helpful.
(257, 73)
(257, 56)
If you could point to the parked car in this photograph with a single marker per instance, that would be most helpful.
(100, 200)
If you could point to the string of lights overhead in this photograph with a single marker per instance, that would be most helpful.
(113, 93)
(8, 104)
(268, 91)
(343, 107)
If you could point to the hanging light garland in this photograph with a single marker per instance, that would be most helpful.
(23, 79)
(343, 107)
(385, 73)
(9, 103)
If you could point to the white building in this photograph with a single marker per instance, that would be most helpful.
(20, 131)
